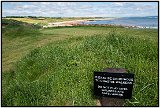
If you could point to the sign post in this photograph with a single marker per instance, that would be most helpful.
(113, 85)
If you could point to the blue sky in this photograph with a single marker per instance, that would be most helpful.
(80, 9)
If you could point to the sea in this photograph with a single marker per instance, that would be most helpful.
(140, 22)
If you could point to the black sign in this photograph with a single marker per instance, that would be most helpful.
(116, 85)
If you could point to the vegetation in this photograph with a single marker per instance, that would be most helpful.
(54, 66)
(43, 20)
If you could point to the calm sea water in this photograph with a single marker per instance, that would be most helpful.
(148, 22)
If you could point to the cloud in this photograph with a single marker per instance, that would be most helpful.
(86, 7)
(70, 9)
(119, 4)
(26, 7)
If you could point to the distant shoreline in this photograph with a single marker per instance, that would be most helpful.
(77, 23)
(73, 22)
(47, 23)
(118, 25)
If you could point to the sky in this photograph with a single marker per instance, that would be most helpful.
(80, 9)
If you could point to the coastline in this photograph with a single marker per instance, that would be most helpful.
(73, 22)
(64, 23)
(77, 23)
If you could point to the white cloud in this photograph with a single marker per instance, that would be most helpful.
(119, 3)
(26, 7)
(85, 7)
(78, 8)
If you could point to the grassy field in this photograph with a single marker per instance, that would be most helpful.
(45, 21)
(54, 66)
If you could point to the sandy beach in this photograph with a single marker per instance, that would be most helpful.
(64, 23)
(72, 23)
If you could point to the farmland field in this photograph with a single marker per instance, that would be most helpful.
(54, 66)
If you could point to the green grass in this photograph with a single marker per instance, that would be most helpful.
(59, 71)
(45, 21)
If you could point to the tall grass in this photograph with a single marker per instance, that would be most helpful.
(61, 73)
(13, 29)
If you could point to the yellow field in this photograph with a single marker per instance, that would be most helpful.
(44, 21)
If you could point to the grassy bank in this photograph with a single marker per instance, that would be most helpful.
(54, 66)
(45, 21)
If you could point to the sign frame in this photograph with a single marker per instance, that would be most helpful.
(120, 85)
